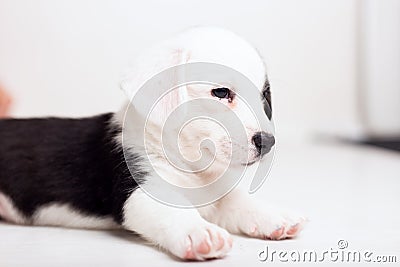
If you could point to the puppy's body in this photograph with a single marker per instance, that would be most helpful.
(81, 173)
(69, 165)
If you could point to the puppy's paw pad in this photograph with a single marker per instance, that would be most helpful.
(296, 227)
(189, 255)
(208, 242)
(273, 225)
(277, 234)
(293, 230)
(204, 247)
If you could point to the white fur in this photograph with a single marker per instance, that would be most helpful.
(64, 215)
(9, 212)
(200, 44)
(240, 214)
(54, 215)
(182, 231)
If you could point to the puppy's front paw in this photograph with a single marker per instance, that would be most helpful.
(206, 241)
(273, 226)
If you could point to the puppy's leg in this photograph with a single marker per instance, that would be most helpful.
(240, 214)
(183, 232)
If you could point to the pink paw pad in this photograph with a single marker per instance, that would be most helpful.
(203, 248)
(189, 254)
(293, 230)
(277, 233)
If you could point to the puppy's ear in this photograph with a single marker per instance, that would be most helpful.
(149, 64)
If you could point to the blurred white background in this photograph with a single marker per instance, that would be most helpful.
(65, 57)
(326, 59)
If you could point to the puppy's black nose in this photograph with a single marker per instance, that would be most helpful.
(263, 142)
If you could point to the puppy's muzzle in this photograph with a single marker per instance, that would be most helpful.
(263, 142)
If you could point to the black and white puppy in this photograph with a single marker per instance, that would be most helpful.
(73, 172)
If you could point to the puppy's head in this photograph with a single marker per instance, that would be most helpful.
(225, 98)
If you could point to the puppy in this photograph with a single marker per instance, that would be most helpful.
(92, 172)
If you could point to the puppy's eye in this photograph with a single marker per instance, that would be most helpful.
(221, 92)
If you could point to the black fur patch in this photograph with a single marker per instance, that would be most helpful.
(266, 96)
(66, 161)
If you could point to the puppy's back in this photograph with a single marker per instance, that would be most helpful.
(56, 160)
